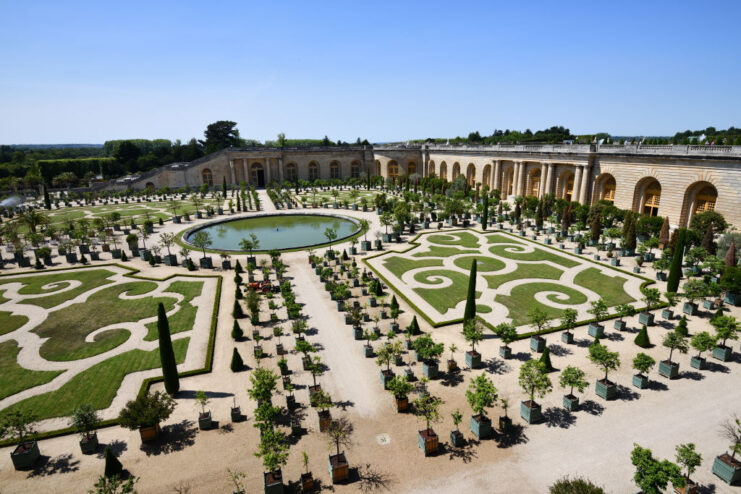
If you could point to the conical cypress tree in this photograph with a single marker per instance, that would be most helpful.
(167, 355)
(124, 257)
(545, 359)
(223, 185)
(682, 327)
(237, 293)
(394, 305)
(642, 339)
(237, 363)
(414, 326)
(238, 267)
(731, 254)
(112, 465)
(470, 311)
(664, 234)
(47, 200)
(237, 332)
(237, 312)
(191, 266)
(675, 271)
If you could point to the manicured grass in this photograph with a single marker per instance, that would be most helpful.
(484, 264)
(89, 279)
(16, 378)
(344, 195)
(400, 265)
(463, 239)
(524, 271)
(97, 385)
(498, 238)
(436, 251)
(522, 300)
(68, 327)
(10, 322)
(536, 255)
(482, 309)
(184, 318)
(446, 298)
(610, 288)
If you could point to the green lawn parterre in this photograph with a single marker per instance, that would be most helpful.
(514, 271)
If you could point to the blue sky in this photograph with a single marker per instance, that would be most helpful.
(92, 71)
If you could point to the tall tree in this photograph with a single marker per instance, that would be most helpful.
(220, 135)
(470, 311)
(167, 355)
(731, 254)
(47, 200)
(223, 185)
(675, 271)
(485, 212)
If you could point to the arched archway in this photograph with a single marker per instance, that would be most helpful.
(606, 186)
(257, 174)
(508, 182)
(393, 169)
(355, 169)
(313, 171)
(149, 186)
(471, 175)
(565, 187)
(291, 172)
(411, 168)
(431, 168)
(334, 170)
(207, 177)
(486, 179)
(698, 198)
(456, 170)
(533, 183)
(378, 168)
(647, 196)
(444, 170)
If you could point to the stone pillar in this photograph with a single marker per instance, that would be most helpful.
(280, 170)
(267, 171)
(516, 178)
(584, 192)
(523, 167)
(577, 184)
(543, 171)
(231, 171)
(244, 171)
(549, 179)
(496, 183)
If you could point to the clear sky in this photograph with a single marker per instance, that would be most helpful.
(86, 72)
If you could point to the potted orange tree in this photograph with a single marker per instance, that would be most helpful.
(85, 419)
(204, 418)
(481, 394)
(608, 361)
(307, 480)
(428, 407)
(20, 426)
(643, 364)
(339, 434)
(673, 341)
(507, 333)
(568, 321)
(146, 412)
(400, 387)
(690, 459)
(456, 436)
(702, 342)
(473, 334)
(726, 328)
(726, 466)
(534, 381)
(572, 377)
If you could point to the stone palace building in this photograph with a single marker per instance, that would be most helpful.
(669, 180)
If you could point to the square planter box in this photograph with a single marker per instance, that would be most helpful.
(571, 403)
(620, 325)
(636, 269)
(204, 421)
(531, 412)
(205, 262)
(567, 337)
(236, 414)
(89, 444)
(25, 455)
(667, 314)
(273, 482)
(727, 469)
(731, 298)
(430, 369)
(547, 241)
(722, 353)
(606, 389)
(697, 363)
(669, 369)
(456, 438)
(646, 318)
(689, 308)
(596, 330)
(708, 304)
(473, 360)
(596, 257)
(367, 351)
(505, 352)
(577, 250)
(537, 344)
(386, 376)
(661, 276)
(365, 245)
(640, 381)
(480, 426)
(428, 441)
(615, 261)
(226, 265)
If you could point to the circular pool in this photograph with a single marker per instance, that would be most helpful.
(275, 231)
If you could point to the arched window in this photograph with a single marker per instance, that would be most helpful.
(608, 189)
(456, 171)
(313, 171)
(393, 169)
(534, 184)
(471, 175)
(291, 172)
(355, 169)
(431, 168)
(487, 175)
(207, 177)
(149, 186)
(378, 168)
(705, 200)
(334, 169)
(508, 182)
(411, 168)
(444, 170)
(651, 198)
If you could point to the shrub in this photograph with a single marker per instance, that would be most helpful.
(574, 486)
(112, 465)
(682, 327)
(237, 332)
(642, 339)
(237, 362)
(545, 359)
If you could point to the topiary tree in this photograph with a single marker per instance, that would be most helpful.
(237, 312)
(147, 410)
(237, 333)
(167, 354)
(726, 328)
(237, 362)
(112, 464)
(642, 339)
(702, 342)
(545, 359)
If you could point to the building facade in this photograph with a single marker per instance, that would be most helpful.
(674, 181)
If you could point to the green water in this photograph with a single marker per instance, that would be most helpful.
(277, 232)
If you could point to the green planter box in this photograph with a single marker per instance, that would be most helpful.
(428, 442)
(204, 421)
(731, 298)
(596, 330)
(430, 369)
(615, 261)
(386, 376)
(567, 337)
(571, 403)
(358, 333)
(667, 314)
(367, 351)
(505, 352)
(708, 304)
(473, 360)
(620, 325)
(480, 426)
(698, 363)
(669, 369)
(89, 444)
(640, 381)
(730, 474)
(25, 455)
(646, 318)
(273, 482)
(456, 438)
(531, 414)
(722, 353)
(365, 245)
(689, 308)
(537, 344)
(606, 390)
